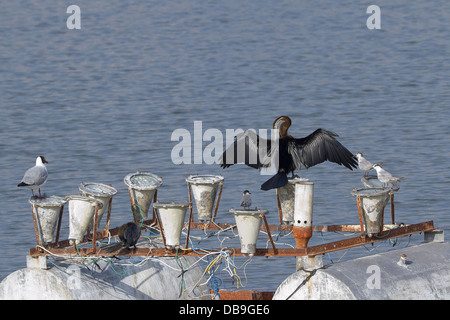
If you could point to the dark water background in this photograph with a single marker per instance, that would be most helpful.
(102, 102)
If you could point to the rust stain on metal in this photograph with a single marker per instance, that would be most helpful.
(361, 222)
(63, 247)
(302, 236)
(218, 201)
(266, 226)
(392, 207)
(245, 295)
(383, 235)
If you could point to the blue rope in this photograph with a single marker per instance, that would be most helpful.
(213, 283)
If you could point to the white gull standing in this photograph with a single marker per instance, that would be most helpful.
(246, 200)
(384, 176)
(364, 164)
(35, 177)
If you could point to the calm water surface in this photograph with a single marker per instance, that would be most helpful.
(102, 102)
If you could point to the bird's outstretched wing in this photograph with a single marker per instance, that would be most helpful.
(248, 148)
(321, 146)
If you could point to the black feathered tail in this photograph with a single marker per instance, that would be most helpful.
(113, 247)
(277, 181)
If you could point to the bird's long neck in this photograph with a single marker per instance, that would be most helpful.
(284, 126)
(284, 133)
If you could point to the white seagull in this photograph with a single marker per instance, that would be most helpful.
(35, 177)
(246, 200)
(384, 176)
(364, 164)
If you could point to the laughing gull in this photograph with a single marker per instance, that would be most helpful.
(35, 177)
(364, 164)
(246, 200)
(384, 176)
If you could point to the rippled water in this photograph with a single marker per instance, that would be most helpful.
(103, 101)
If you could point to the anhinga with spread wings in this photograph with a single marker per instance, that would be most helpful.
(259, 153)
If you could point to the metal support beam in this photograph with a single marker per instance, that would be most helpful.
(308, 251)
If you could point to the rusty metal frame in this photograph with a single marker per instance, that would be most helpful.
(280, 213)
(218, 201)
(284, 227)
(392, 207)
(389, 232)
(94, 234)
(190, 219)
(36, 229)
(266, 226)
(108, 219)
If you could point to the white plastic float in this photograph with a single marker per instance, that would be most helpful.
(248, 223)
(142, 187)
(172, 215)
(46, 211)
(204, 189)
(100, 192)
(81, 212)
(372, 201)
